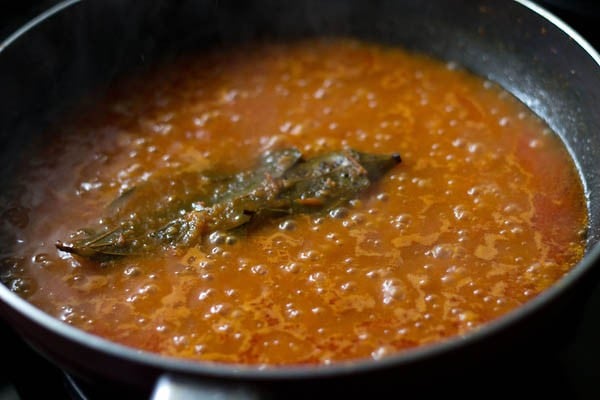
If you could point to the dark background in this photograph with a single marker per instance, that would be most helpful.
(571, 371)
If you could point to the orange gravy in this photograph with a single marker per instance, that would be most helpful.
(485, 211)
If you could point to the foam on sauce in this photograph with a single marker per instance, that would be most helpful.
(485, 211)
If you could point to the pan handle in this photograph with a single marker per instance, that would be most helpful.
(176, 387)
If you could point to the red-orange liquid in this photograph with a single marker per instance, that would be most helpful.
(485, 211)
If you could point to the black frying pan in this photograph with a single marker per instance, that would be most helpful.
(78, 47)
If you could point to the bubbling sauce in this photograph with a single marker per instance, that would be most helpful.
(485, 211)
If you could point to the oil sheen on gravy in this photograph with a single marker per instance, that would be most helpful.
(485, 211)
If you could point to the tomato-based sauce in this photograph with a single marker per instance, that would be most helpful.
(485, 211)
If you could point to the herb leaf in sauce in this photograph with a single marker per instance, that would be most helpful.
(178, 211)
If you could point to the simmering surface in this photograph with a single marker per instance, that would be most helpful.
(485, 211)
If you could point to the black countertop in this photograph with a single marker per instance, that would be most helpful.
(571, 371)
